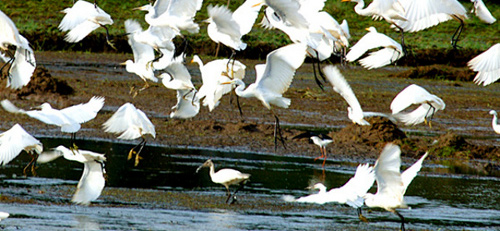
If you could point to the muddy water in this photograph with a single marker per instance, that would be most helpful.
(165, 193)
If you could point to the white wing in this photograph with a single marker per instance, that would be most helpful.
(143, 53)
(22, 68)
(91, 183)
(414, 117)
(82, 113)
(15, 140)
(129, 121)
(188, 105)
(482, 12)
(80, 31)
(10, 34)
(412, 94)
(223, 19)
(288, 12)
(179, 72)
(82, 19)
(246, 14)
(487, 64)
(371, 40)
(341, 86)
(351, 193)
(381, 57)
(387, 172)
(280, 67)
(410, 173)
(75, 15)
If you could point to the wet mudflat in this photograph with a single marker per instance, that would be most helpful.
(163, 192)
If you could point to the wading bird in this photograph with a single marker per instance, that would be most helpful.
(226, 177)
(3, 215)
(69, 119)
(92, 182)
(132, 123)
(213, 74)
(494, 123)
(83, 18)
(391, 183)
(22, 63)
(482, 12)
(14, 141)
(391, 52)
(415, 94)
(273, 79)
(321, 140)
(487, 66)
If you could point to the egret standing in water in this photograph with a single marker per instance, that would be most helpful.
(273, 79)
(391, 183)
(226, 177)
(494, 122)
(92, 182)
(132, 123)
(14, 141)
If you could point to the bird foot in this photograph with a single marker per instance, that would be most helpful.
(137, 159)
(362, 218)
(132, 152)
(74, 149)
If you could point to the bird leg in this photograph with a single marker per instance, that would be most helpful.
(11, 60)
(228, 193)
(402, 220)
(149, 64)
(277, 132)
(136, 153)
(360, 216)
(107, 37)
(234, 193)
(403, 45)
(456, 35)
(34, 156)
(431, 115)
(231, 57)
(324, 154)
(316, 78)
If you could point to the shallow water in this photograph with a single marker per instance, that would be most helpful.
(162, 193)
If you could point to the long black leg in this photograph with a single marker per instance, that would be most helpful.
(278, 134)
(32, 163)
(316, 77)
(235, 191)
(107, 37)
(402, 220)
(403, 45)
(456, 35)
(360, 215)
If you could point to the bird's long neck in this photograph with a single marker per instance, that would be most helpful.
(494, 121)
(240, 90)
(359, 9)
(212, 171)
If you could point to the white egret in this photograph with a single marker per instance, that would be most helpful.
(22, 63)
(482, 12)
(177, 14)
(132, 123)
(69, 119)
(3, 215)
(83, 18)
(176, 76)
(340, 85)
(143, 55)
(213, 74)
(188, 105)
(494, 123)
(391, 183)
(14, 141)
(422, 14)
(92, 182)
(273, 79)
(318, 197)
(226, 177)
(415, 94)
(487, 66)
(391, 52)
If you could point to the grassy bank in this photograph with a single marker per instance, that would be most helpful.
(38, 21)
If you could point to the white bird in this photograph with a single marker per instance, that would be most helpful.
(487, 66)
(83, 18)
(14, 141)
(188, 105)
(22, 63)
(213, 74)
(322, 142)
(422, 14)
(92, 182)
(132, 123)
(177, 14)
(226, 177)
(318, 197)
(482, 12)
(415, 94)
(143, 54)
(494, 123)
(340, 85)
(391, 183)
(69, 119)
(391, 52)
(3, 215)
(176, 76)
(273, 79)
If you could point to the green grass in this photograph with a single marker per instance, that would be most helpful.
(40, 18)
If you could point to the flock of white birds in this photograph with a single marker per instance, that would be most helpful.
(314, 33)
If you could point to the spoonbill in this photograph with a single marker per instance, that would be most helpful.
(14, 141)
(226, 177)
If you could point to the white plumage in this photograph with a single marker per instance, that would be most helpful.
(143, 53)
(69, 119)
(482, 12)
(176, 76)
(415, 94)
(81, 19)
(340, 85)
(14, 141)
(92, 182)
(390, 53)
(391, 183)
(188, 105)
(487, 66)
(388, 10)
(177, 14)
(131, 122)
(3, 215)
(494, 122)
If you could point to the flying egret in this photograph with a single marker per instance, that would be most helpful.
(213, 74)
(487, 66)
(92, 182)
(132, 123)
(318, 197)
(391, 184)
(482, 12)
(226, 177)
(69, 119)
(391, 52)
(273, 79)
(422, 14)
(83, 18)
(3, 215)
(177, 77)
(22, 63)
(14, 141)
(415, 94)
(494, 123)
(340, 85)
(321, 140)
(188, 105)
(351, 193)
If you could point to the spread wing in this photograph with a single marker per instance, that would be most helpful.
(82, 113)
